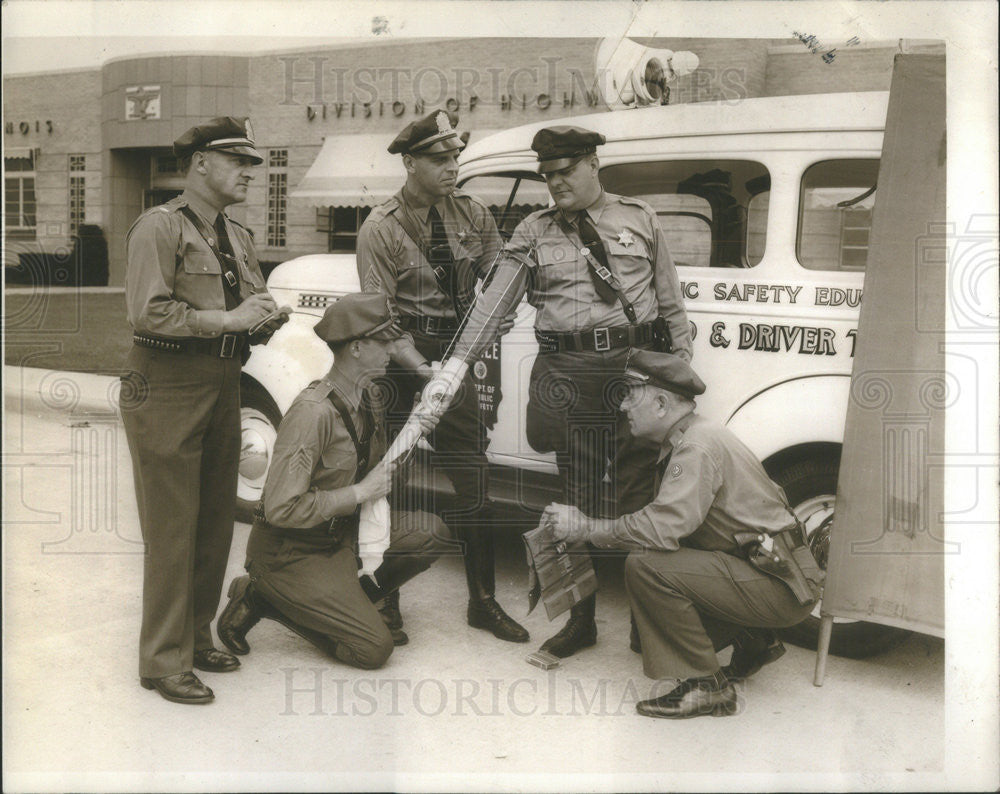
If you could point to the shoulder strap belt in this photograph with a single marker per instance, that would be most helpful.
(225, 261)
(361, 450)
(441, 275)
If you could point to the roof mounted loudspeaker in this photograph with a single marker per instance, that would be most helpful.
(630, 75)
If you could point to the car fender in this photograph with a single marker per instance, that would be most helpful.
(290, 361)
(798, 411)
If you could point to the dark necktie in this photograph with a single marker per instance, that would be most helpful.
(230, 280)
(591, 239)
(441, 259)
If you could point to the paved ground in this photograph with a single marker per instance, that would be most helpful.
(455, 709)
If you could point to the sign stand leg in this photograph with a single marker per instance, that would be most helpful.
(823, 648)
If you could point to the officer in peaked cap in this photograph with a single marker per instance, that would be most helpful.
(424, 249)
(193, 291)
(327, 462)
(717, 545)
(598, 270)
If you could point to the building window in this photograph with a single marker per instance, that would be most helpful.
(835, 214)
(77, 164)
(19, 195)
(341, 225)
(167, 164)
(277, 197)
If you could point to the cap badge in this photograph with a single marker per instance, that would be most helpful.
(443, 122)
(625, 237)
(249, 130)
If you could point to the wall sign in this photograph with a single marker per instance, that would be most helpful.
(142, 102)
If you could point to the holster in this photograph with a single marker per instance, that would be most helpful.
(662, 341)
(789, 559)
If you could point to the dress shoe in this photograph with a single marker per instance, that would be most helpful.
(241, 614)
(212, 660)
(388, 607)
(180, 688)
(695, 697)
(752, 649)
(487, 614)
(579, 632)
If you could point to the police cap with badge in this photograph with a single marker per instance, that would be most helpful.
(359, 315)
(663, 370)
(223, 134)
(435, 133)
(560, 147)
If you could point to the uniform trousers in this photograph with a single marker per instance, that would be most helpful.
(459, 441)
(573, 410)
(690, 603)
(181, 414)
(315, 583)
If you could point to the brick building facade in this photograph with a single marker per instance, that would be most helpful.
(94, 146)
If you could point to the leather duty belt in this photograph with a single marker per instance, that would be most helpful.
(225, 346)
(597, 340)
(431, 326)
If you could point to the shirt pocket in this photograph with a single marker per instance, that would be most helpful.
(340, 457)
(201, 263)
(557, 264)
(631, 261)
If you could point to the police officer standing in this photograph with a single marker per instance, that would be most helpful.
(327, 463)
(193, 290)
(424, 249)
(597, 269)
(717, 556)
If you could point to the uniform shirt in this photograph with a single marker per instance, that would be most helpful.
(173, 281)
(315, 461)
(559, 284)
(712, 488)
(391, 263)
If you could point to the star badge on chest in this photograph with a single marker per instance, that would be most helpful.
(462, 235)
(625, 237)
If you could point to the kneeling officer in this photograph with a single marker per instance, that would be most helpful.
(327, 462)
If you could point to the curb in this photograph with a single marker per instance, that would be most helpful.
(73, 393)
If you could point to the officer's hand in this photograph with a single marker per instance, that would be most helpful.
(250, 312)
(567, 522)
(507, 323)
(428, 419)
(262, 332)
(377, 483)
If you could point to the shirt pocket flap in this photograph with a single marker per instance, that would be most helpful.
(201, 263)
(636, 247)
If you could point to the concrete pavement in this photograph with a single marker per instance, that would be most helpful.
(456, 709)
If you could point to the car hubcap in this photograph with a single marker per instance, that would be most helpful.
(256, 448)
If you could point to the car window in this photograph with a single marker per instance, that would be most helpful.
(495, 190)
(835, 214)
(703, 206)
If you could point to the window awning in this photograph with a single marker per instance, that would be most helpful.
(352, 171)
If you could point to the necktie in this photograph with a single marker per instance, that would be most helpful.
(590, 238)
(230, 281)
(442, 261)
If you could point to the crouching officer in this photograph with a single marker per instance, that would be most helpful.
(327, 463)
(196, 301)
(716, 559)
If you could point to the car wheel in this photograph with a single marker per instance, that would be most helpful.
(259, 418)
(811, 487)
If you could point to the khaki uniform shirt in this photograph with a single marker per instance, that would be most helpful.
(559, 285)
(173, 282)
(712, 488)
(315, 461)
(391, 263)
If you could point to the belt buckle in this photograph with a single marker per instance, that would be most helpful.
(602, 340)
(431, 326)
(228, 345)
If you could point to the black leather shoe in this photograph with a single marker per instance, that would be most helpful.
(695, 697)
(240, 615)
(389, 609)
(752, 649)
(487, 614)
(180, 688)
(579, 632)
(212, 660)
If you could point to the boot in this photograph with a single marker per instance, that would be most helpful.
(694, 697)
(241, 614)
(383, 590)
(579, 632)
(484, 612)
